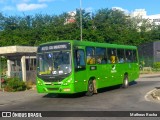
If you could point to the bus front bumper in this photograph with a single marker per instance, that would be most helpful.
(65, 89)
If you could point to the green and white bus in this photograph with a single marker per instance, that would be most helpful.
(72, 66)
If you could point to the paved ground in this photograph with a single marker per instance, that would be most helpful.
(131, 99)
(153, 95)
(16, 97)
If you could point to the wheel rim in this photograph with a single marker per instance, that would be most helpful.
(90, 87)
(126, 82)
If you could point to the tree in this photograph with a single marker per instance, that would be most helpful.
(105, 25)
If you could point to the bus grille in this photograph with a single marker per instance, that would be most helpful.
(52, 89)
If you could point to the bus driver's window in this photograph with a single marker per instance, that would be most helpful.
(79, 58)
(128, 55)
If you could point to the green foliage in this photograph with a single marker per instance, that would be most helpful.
(156, 65)
(14, 84)
(29, 84)
(105, 25)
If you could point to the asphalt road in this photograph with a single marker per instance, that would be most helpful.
(108, 99)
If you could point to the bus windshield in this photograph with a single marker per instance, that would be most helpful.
(54, 63)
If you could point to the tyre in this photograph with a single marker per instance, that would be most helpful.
(125, 81)
(90, 88)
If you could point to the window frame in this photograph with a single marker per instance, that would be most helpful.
(121, 59)
(126, 57)
(81, 67)
(92, 56)
(104, 56)
(109, 55)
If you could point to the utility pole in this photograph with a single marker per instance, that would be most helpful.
(81, 19)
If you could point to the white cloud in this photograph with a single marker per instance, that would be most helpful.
(28, 7)
(121, 9)
(45, 0)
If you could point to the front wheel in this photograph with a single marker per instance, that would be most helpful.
(125, 82)
(90, 88)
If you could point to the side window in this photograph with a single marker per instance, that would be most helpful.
(79, 59)
(134, 56)
(120, 55)
(112, 54)
(90, 55)
(101, 56)
(128, 56)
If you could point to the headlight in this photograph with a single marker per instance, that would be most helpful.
(65, 83)
(39, 82)
(69, 80)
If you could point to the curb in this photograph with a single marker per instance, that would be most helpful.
(149, 75)
(148, 95)
(152, 96)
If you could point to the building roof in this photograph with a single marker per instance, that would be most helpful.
(19, 50)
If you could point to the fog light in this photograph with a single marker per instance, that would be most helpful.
(66, 89)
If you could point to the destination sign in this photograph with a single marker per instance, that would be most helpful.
(56, 46)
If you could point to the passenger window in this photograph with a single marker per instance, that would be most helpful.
(90, 55)
(79, 59)
(112, 54)
(128, 56)
(134, 56)
(120, 55)
(101, 56)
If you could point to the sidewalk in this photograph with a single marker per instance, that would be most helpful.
(15, 97)
(150, 75)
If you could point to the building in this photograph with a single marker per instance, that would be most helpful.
(139, 12)
(149, 53)
(71, 17)
(21, 61)
(155, 19)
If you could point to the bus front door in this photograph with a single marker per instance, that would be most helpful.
(80, 70)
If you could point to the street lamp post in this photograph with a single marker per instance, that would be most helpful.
(81, 19)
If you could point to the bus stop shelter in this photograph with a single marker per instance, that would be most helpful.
(21, 61)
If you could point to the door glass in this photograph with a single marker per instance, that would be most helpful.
(79, 59)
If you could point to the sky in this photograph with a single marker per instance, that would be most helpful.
(56, 7)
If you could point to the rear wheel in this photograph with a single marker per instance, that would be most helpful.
(90, 88)
(125, 81)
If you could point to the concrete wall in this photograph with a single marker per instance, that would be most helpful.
(157, 51)
(18, 54)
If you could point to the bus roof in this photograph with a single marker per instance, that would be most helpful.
(92, 44)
